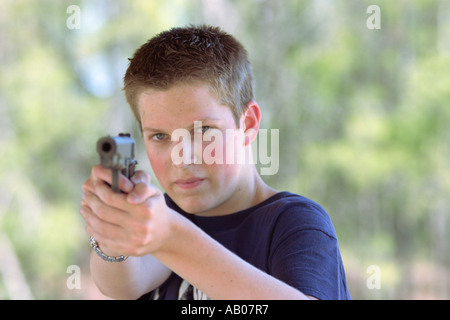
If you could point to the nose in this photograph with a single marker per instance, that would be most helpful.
(186, 152)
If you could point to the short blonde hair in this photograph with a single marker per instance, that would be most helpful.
(202, 54)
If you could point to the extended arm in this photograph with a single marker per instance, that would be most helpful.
(129, 279)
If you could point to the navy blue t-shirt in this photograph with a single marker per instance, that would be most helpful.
(287, 236)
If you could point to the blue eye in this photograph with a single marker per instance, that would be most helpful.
(159, 136)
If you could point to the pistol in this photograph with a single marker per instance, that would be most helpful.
(117, 153)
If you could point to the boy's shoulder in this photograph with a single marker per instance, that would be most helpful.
(287, 200)
(294, 211)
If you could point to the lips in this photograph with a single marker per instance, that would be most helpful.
(188, 183)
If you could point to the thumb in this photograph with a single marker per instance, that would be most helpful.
(142, 190)
(140, 177)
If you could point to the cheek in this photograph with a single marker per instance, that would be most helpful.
(158, 165)
(222, 175)
(224, 148)
(233, 151)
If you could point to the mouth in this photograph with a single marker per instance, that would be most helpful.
(188, 183)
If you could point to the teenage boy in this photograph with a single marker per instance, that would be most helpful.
(218, 231)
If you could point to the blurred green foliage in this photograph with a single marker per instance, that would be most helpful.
(363, 117)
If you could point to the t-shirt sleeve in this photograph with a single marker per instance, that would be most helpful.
(305, 253)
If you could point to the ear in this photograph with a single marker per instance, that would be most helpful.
(250, 121)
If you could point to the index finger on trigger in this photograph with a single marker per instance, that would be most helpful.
(104, 174)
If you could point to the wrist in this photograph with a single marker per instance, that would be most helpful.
(178, 239)
(95, 246)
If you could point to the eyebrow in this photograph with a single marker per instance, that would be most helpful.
(206, 119)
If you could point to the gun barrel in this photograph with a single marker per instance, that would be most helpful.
(117, 153)
(114, 151)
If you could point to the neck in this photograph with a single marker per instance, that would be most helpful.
(261, 190)
(251, 191)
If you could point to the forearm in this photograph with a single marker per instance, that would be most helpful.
(218, 272)
(129, 279)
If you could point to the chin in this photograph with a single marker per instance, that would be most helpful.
(192, 205)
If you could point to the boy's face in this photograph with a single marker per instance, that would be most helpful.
(202, 188)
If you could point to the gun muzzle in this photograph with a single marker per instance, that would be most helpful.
(114, 151)
(117, 153)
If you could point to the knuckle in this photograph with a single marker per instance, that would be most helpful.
(147, 208)
(141, 177)
(141, 230)
(137, 242)
(101, 229)
(134, 251)
(142, 233)
(87, 185)
(94, 171)
(102, 211)
(107, 196)
(146, 177)
(140, 190)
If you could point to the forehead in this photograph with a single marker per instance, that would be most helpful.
(179, 106)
